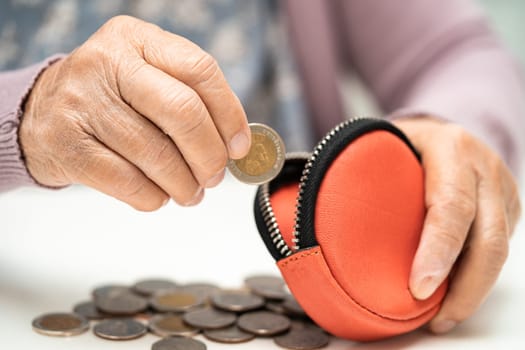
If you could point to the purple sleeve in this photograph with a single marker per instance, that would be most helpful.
(440, 57)
(14, 89)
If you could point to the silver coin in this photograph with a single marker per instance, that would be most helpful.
(230, 335)
(236, 301)
(264, 160)
(175, 301)
(178, 343)
(109, 290)
(264, 323)
(60, 324)
(120, 329)
(292, 307)
(149, 287)
(303, 339)
(171, 325)
(275, 306)
(202, 289)
(89, 311)
(121, 304)
(208, 318)
(269, 287)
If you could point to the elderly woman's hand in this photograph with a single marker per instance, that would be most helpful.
(472, 207)
(136, 112)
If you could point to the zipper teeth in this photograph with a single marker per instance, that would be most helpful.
(306, 173)
(271, 223)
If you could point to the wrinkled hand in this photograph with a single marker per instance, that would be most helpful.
(136, 112)
(472, 208)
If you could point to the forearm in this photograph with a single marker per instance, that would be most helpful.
(15, 87)
(441, 58)
(481, 88)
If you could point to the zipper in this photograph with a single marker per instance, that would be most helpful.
(264, 215)
(309, 170)
(318, 150)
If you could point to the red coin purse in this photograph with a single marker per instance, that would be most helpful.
(343, 225)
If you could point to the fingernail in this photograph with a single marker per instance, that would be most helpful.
(426, 287)
(214, 181)
(443, 326)
(196, 198)
(239, 145)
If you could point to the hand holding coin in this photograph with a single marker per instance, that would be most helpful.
(264, 160)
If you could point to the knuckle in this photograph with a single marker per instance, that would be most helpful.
(495, 248)
(204, 68)
(190, 111)
(452, 241)
(163, 160)
(120, 22)
(214, 163)
(454, 198)
(130, 185)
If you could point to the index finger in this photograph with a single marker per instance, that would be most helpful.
(188, 63)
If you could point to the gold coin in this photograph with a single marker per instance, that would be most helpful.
(264, 160)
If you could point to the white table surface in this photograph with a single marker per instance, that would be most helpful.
(55, 246)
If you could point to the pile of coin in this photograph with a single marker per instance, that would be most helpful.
(262, 308)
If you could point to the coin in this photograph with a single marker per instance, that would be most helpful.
(264, 160)
(149, 287)
(60, 324)
(303, 339)
(89, 311)
(228, 335)
(121, 303)
(292, 307)
(208, 318)
(269, 287)
(236, 301)
(202, 289)
(275, 306)
(120, 329)
(263, 323)
(171, 325)
(178, 343)
(109, 290)
(174, 301)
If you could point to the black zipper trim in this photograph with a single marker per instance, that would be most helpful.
(263, 212)
(324, 154)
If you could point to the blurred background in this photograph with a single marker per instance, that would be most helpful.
(509, 21)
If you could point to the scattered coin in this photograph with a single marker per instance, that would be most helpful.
(89, 311)
(292, 307)
(174, 301)
(269, 287)
(202, 289)
(208, 318)
(120, 329)
(109, 290)
(178, 343)
(275, 306)
(222, 317)
(264, 160)
(237, 301)
(228, 335)
(263, 323)
(149, 287)
(303, 339)
(60, 324)
(171, 325)
(123, 303)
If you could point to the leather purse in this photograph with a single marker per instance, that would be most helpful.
(343, 224)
